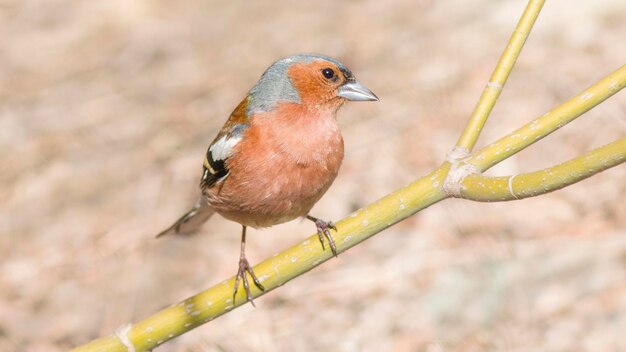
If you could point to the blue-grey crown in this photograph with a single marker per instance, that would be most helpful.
(275, 85)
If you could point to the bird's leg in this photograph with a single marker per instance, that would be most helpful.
(323, 230)
(244, 267)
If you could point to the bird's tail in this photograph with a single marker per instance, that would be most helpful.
(192, 220)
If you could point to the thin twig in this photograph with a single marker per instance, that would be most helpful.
(499, 76)
(490, 189)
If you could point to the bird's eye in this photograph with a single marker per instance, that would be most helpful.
(328, 73)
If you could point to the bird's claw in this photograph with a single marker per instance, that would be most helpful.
(323, 230)
(244, 267)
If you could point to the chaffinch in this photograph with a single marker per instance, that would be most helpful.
(278, 152)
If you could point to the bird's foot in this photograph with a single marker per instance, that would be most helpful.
(323, 230)
(245, 268)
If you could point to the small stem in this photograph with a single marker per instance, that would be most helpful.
(499, 76)
(490, 189)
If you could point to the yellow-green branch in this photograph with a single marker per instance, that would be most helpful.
(558, 117)
(489, 189)
(276, 271)
(499, 76)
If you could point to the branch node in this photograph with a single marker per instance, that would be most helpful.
(122, 334)
(495, 85)
(453, 185)
(511, 186)
(457, 154)
(459, 170)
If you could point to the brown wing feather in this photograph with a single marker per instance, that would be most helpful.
(215, 167)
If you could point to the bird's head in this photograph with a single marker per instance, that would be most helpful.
(311, 80)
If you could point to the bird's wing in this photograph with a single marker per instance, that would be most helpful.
(223, 146)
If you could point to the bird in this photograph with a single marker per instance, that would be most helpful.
(278, 152)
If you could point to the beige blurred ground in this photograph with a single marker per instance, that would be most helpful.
(106, 110)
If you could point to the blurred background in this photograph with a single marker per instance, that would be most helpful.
(106, 111)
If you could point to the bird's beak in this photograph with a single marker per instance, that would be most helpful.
(355, 91)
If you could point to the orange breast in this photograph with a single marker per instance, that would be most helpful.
(282, 167)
